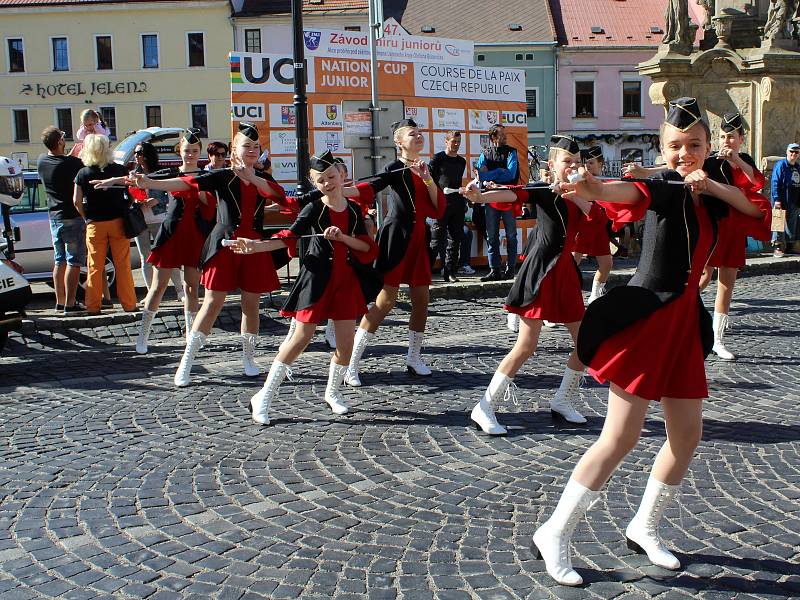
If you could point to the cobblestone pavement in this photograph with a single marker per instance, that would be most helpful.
(115, 484)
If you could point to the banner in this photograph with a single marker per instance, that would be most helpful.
(438, 97)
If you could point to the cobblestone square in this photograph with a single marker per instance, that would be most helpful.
(116, 484)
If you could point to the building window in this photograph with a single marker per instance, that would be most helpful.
(21, 129)
(102, 44)
(529, 57)
(109, 116)
(352, 27)
(200, 118)
(631, 98)
(518, 57)
(196, 49)
(152, 116)
(252, 40)
(60, 54)
(531, 99)
(584, 99)
(149, 51)
(64, 121)
(481, 57)
(16, 56)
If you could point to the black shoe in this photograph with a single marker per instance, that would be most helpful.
(76, 310)
(59, 309)
(451, 278)
(106, 303)
(510, 272)
(492, 275)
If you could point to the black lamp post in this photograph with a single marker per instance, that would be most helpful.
(300, 100)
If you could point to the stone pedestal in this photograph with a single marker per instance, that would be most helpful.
(763, 84)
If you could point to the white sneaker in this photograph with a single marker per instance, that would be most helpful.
(465, 270)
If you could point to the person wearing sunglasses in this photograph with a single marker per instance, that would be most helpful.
(785, 195)
(217, 153)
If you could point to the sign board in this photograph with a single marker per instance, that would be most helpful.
(438, 96)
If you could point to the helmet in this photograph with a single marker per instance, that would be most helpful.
(11, 183)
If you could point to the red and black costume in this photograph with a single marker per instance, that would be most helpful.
(402, 242)
(335, 281)
(183, 233)
(593, 239)
(548, 284)
(651, 336)
(736, 227)
(240, 213)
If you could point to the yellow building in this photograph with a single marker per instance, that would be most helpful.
(140, 63)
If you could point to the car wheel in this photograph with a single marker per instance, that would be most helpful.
(111, 277)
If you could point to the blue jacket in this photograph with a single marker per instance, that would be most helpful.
(785, 183)
(508, 174)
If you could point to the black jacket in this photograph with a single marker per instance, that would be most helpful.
(316, 264)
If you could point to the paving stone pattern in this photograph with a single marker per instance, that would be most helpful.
(115, 484)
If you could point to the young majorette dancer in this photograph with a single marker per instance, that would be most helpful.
(403, 248)
(731, 167)
(649, 338)
(178, 243)
(594, 240)
(241, 198)
(335, 281)
(548, 285)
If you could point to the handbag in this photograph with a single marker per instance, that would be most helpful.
(133, 220)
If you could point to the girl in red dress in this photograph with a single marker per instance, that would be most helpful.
(736, 168)
(403, 248)
(178, 244)
(649, 338)
(594, 240)
(335, 281)
(241, 195)
(547, 286)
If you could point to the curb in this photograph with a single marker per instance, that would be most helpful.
(466, 289)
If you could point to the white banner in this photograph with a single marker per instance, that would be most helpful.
(284, 168)
(482, 120)
(327, 115)
(266, 73)
(448, 118)
(469, 83)
(282, 142)
(281, 115)
(329, 140)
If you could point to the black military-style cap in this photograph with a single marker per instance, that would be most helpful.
(192, 135)
(403, 123)
(683, 113)
(323, 162)
(592, 152)
(565, 143)
(732, 121)
(249, 130)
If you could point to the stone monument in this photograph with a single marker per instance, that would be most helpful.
(748, 61)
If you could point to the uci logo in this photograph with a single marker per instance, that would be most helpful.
(248, 112)
(276, 71)
(514, 118)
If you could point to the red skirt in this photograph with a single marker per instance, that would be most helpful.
(668, 338)
(342, 300)
(415, 268)
(730, 249)
(254, 273)
(559, 299)
(593, 241)
(182, 249)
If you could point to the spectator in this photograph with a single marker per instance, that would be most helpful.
(154, 207)
(447, 169)
(68, 230)
(217, 153)
(498, 163)
(103, 211)
(785, 194)
(91, 122)
(465, 254)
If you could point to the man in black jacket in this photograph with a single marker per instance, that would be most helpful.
(447, 169)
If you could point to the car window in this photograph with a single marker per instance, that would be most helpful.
(30, 197)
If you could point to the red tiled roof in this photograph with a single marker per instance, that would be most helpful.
(14, 3)
(623, 22)
(253, 8)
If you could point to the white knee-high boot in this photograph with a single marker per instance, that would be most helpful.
(512, 322)
(414, 362)
(483, 412)
(561, 405)
(721, 321)
(188, 317)
(363, 337)
(598, 289)
(193, 344)
(261, 400)
(642, 531)
(251, 369)
(551, 540)
(290, 333)
(333, 395)
(330, 335)
(144, 330)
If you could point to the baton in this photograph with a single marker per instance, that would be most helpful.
(379, 175)
(228, 243)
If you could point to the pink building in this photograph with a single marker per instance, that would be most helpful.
(602, 99)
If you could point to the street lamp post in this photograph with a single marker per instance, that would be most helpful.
(300, 100)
